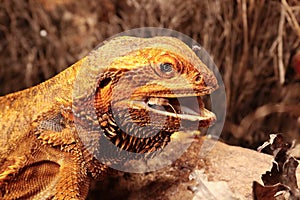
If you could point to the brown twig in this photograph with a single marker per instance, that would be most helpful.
(291, 17)
(280, 46)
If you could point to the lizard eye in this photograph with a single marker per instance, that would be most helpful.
(166, 67)
(166, 70)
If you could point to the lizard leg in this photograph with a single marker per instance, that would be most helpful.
(72, 181)
(57, 132)
(47, 173)
(54, 166)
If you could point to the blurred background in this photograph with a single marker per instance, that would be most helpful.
(254, 43)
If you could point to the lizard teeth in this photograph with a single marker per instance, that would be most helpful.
(158, 101)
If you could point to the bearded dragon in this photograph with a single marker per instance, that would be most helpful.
(50, 133)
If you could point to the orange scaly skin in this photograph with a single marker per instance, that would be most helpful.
(42, 155)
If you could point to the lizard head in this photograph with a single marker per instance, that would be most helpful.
(150, 88)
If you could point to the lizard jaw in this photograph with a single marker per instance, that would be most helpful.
(168, 107)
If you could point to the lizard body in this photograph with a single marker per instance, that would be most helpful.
(117, 87)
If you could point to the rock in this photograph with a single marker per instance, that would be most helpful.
(207, 162)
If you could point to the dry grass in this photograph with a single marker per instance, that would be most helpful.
(251, 41)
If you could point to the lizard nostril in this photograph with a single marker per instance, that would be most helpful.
(198, 79)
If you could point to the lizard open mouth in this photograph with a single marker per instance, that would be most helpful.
(185, 108)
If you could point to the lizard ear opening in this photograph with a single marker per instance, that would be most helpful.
(103, 95)
(105, 82)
